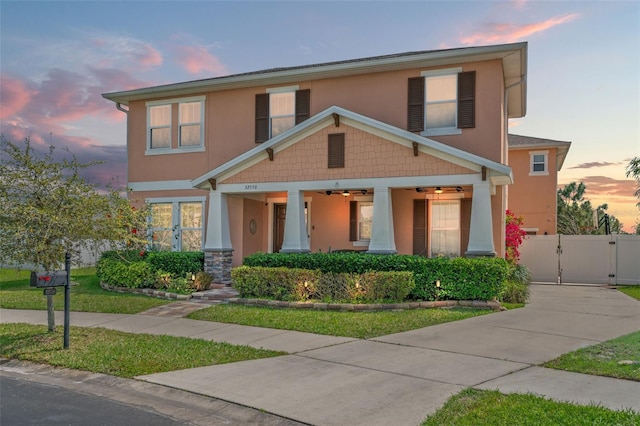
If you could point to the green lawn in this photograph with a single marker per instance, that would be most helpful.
(86, 296)
(632, 290)
(118, 353)
(602, 359)
(361, 325)
(492, 408)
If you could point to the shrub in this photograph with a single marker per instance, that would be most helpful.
(124, 255)
(202, 281)
(118, 273)
(516, 286)
(178, 264)
(303, 284)
(460, 278)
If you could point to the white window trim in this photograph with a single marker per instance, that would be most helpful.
(175, 216)
(283, 89)
(201, 122)
(546, 163)
(179, 149)
(445, 130)
(362, 199)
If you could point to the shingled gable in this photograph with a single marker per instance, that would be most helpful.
(498, 173)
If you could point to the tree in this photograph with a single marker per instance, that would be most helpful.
(47, 209)
(633, 170)
(576, 215)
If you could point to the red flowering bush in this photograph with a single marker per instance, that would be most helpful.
(514, 237)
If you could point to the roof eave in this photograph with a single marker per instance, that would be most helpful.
(513, 57)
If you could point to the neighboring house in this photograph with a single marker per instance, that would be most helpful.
(535, 163)
(401, 153)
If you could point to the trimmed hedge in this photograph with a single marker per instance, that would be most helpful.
(166, 270)
(294, 284)
(460, 278)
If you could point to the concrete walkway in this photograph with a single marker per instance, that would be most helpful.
(401, 378)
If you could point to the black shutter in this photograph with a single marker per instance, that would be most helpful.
(336, 151)
(466, 100)
(420, 227)
(415, 113)
(353, 221)
(303, 105)
(262, 117)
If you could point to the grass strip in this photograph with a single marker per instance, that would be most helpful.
(491, 408)
(602, 359)
(118, 353)
(632, 290)
(86, 295)
(361, 325)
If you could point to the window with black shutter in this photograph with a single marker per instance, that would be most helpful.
(415, 115)
(270, 123)
(336, 150)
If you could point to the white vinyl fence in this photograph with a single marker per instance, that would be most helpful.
(584, 259)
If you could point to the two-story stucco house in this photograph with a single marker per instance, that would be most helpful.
(404, 153)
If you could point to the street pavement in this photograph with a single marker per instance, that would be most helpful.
(401, 378)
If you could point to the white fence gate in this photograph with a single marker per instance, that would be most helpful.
(585, 259)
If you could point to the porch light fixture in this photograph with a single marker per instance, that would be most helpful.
(328, 192)
(438, 190)
(458, 188)
(419, 189)
(345, 193)
(363, 191)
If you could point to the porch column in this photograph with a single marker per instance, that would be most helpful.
(481, 230)
(295, 228)
(382, 235)
(218, 252)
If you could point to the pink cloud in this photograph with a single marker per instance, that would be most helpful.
(509, 33)
(15, 95)
(197, 60)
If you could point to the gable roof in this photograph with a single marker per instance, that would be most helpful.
(529, 142)
(499, 173)
(513, 57)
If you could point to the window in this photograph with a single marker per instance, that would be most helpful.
(161, 121)
(445, 228)
(177, 225)
(441, 102)
(281, 112)
(280, 109)
(360, 220)
(190, 124)
(539, 163)
(160, 126)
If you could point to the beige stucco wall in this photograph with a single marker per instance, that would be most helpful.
(534, 197)
(229, 119)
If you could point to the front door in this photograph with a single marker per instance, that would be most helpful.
(279, 215)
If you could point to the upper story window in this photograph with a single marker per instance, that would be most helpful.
(441, 102)
(539, 161)
(160, 126)
(184, 114)
(279, 109)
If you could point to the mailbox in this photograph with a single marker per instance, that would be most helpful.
(49, 279)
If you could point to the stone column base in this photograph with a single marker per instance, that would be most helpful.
(218, 264)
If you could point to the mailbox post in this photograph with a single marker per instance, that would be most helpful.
(49, 281)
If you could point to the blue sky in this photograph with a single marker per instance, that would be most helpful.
(58, 57)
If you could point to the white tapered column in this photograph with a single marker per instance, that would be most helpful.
(481, 230)
(382, 235)
(295, 228)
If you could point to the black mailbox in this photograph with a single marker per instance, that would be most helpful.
(49, 279)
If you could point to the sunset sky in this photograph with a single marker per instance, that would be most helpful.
(58, 57)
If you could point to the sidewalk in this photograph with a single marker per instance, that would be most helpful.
(401, 378)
